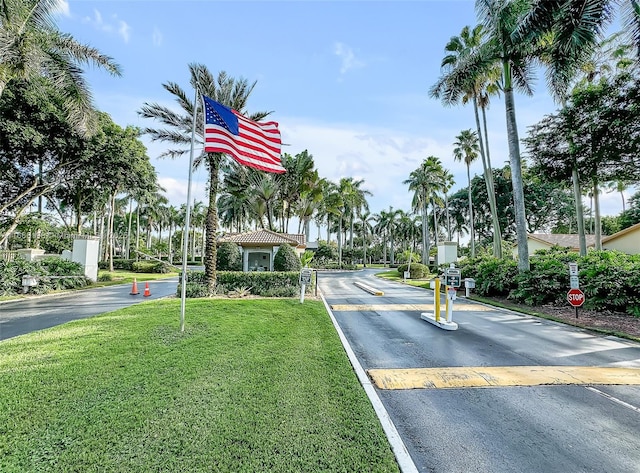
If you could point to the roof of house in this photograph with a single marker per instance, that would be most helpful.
(567, 240)
(264, 238)
(630, 229)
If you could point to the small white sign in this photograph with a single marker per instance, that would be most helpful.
(573, 282)
(451, 293)
(573, 269)
(305, 276)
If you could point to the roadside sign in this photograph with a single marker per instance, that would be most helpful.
(451, 293)
(573, 282)
(575, 297)
(573, 269)
(452, 277)
(305, 275)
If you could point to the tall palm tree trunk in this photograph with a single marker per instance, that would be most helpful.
(212, 223)
(472, 233)
(425, 233)
(129, 227)
(516, 172)
(488, 180)
(598, 221)
(577, 194)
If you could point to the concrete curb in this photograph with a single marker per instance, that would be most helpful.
(397, 445)
(369, 289)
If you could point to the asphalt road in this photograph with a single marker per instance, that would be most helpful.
(28, 315)
(505, 428)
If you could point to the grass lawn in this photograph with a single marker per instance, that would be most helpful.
(394, 275)
(253, 385)
(121, 277)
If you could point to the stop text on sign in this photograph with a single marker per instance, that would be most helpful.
(575, 297)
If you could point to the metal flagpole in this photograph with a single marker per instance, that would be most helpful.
(185, 233)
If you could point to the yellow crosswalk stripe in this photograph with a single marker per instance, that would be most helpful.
(496, 376)
(418, 307)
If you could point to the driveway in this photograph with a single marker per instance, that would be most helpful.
(37, 313)
(503, 393)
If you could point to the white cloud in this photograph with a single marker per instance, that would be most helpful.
(123, 30)
(118, 27)
(348, 58)
(156, 36)
(382, 157)
(176, 190)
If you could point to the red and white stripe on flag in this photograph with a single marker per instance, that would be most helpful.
(256, 145)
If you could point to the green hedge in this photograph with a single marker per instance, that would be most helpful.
(265, 284)
(52, 273)
(417, 270)
(609, 279)
(157, 267)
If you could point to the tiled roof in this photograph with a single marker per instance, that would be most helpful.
(568, 240)
(264, 237)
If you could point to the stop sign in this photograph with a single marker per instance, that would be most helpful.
(575, 297)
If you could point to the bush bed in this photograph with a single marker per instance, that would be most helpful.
(609, 279)
(265, 284)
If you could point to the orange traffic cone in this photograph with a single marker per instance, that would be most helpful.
(147, 292)
(134, 288)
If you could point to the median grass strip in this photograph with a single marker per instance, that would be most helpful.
(252, 385)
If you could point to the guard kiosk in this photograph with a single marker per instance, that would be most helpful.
(452, 279)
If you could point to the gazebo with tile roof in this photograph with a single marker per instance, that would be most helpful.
(259, 247)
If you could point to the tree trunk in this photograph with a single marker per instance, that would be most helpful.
(598, 222)
(488, 180)
(340, 242)
(472, 233)
(127, 255)
(110, 230)
(212, 223)
(170, 257)
(577, 194)
(516, 172)
(435, 228)
(425, 232)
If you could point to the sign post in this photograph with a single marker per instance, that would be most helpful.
(305, 278)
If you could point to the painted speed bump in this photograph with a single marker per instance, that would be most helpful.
(500, 376)
(402, 307)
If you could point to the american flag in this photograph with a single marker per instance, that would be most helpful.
(253, 144)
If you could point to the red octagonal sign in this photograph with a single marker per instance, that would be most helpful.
(575, 297)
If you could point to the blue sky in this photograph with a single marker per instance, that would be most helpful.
(346, 80)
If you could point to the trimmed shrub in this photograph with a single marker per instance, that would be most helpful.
(548, 279)
(157, 267)
(417, 270)
(286, 259)
(264, 284)
(123, 264)
(229, 257)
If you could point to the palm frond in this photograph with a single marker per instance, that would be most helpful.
(631, 20)
(81, 53)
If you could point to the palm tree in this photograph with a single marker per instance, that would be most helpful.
(366, 218)
(447, 184)
(32, 46)
(173, 219)
(500, 19)
(299, 178)
(574, 28)
(424, 181)
(386, 226)
(477, 88)
(231, 92)
(466, 149)
(355, 200)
